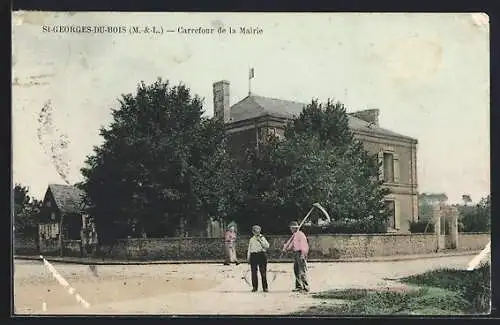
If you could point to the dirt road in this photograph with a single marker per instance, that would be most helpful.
(196, 288)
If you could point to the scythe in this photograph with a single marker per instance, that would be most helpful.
(315, 205)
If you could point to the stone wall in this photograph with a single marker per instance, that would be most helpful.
(473, 241)
(338, 246)
(50, 246)
(72, 248)
(25, 245)
(180, 248)
(321, 246)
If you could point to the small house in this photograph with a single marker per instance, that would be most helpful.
(62, 208)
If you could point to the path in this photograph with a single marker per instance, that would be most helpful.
(198, 288)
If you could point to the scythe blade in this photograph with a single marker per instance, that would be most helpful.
(317, 205)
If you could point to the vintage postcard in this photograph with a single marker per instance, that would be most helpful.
(251, 163)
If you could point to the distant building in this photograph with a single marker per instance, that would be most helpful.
(250, 119)
(62, 207)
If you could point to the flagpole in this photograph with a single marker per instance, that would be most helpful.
(249, 83)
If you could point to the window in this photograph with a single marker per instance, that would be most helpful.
(390, 206)
(279, 133)
(276, 132)
(388, 167)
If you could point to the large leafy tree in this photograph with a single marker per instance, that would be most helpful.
(160, 162)
(26, 210)
(318, 161)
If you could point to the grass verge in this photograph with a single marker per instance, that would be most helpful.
(439, 292)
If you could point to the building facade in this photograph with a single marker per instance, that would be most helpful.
(61, 217)
(252, 118)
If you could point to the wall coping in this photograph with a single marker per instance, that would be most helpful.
(281, 236)
(371, 235)
(276, 236)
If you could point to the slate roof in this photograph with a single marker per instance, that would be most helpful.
(254, 106)
(68, 198)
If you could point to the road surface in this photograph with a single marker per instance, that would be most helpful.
(188, 289)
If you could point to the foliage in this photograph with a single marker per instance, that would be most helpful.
(345, 294)
(466, 198)
(26, 210)
(329, 122)
(384, 303)
(434, 198)
(160, 162)
(387, 302)
(476, 218)
(319, 160)
(473, 218)
(451, 301)
(474, 286)
(439, 292)
(420, 227)
(426, 201)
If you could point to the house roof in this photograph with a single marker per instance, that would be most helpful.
(254, 106)
(68, 198)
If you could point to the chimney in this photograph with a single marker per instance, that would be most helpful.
(368, 115)
(221, 100)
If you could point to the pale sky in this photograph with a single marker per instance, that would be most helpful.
(427, 73)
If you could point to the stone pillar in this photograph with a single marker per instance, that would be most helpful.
(436, 216)
(454, 228)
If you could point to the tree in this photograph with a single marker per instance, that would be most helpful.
(158, 161)
(26, 210)
(318, 161)
(329, 122)
(217, 179)
(434, 198)
(466, 198)
(476, 218)
(426, 201)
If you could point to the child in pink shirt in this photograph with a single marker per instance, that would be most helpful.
(230, 246)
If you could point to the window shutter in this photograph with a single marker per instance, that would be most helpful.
(396, 168)
(397, 215)
(381, 166)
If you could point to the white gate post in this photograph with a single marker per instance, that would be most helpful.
(436, 216)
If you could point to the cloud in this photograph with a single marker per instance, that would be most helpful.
(412, 60)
